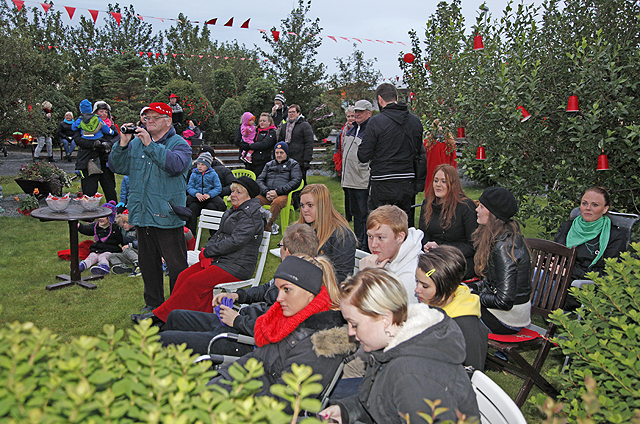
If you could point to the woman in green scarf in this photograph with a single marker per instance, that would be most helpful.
(593, 233)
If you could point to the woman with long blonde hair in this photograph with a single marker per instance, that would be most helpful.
(337, 240)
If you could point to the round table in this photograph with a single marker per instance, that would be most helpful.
(72, 214)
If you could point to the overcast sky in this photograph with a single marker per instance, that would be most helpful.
(386, 20)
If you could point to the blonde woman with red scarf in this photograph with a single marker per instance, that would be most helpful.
(302, 327)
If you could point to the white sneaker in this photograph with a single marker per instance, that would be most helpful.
(275, 229)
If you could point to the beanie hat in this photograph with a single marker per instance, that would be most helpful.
(282, 145)
(252, 187)
(205, 158)
(111, 205)
(280, 97)
(85, 106)
(500, 202)
(101, 105)
(302, 273)
(207, 148)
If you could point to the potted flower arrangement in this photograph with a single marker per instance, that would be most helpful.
(28, 203)
(46, 177)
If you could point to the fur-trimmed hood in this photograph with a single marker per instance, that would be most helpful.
(427, 333)
(330, 335)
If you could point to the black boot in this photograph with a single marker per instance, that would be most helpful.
(51, 159)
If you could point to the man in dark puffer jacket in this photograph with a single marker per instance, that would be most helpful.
(278, 178)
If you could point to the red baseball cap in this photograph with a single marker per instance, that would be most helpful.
(161, 108)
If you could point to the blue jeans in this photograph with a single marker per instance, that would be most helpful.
(69, 145)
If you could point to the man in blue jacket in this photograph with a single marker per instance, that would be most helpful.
(392, 140)
(157, 162)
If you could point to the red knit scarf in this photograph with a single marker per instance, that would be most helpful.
(273, 326)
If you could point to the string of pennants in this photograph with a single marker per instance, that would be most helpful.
(245, 25)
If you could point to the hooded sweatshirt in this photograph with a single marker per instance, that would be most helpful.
(90, 125)
(422, 361)
(406, 261)
(248, 131)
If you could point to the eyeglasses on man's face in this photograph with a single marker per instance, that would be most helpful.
(153, 118)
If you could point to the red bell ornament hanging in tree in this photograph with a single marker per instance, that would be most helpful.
(480, 154)
(477, 43)
(461, 133)
(603, 162)
(572, 106)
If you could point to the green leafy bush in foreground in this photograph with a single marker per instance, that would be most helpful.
(107, 380)
(604, 345)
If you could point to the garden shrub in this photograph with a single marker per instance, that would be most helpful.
(604, 344)
(105, 379)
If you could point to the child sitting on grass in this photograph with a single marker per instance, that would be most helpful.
(108, 238)
(127, 261)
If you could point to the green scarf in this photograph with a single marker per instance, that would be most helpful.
(582, 231)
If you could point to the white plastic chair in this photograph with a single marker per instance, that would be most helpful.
(210, 220)
(252, 282)
(359, 255)
(496, 407)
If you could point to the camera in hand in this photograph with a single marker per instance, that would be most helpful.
(129, 130)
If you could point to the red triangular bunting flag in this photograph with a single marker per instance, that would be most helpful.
(390, 42)
(45, 6)
(174, 55)
(70, 11)
(217, 57)
(212, 21)
(242, 58)
(262, 30)
(158, 55)
(117, 16)
(226, 58)
(345, 38)
(150, 54)
(49, 47)
(141, 53)
(368, 39)
(292, 33)
(400, 42)
(229, 22)
(333, 38)
(140, 17)
(276, 35)
(380, 41)
(192, 55)
(245, 24)
(94, 15)
(19, 4)
(200, 56)
(358, 40)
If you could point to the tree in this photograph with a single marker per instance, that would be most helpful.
(356, 77)
(194, 103)
(19, 89)
(224, 87)
(292, 60)
(229, 119)
(160, 75)
(258, 96)
(536, 59)
(132, 34)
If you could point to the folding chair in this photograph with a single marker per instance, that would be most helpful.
(359, 255)
(262, 258)
(496, 407)
(210, 220)
(552, 266)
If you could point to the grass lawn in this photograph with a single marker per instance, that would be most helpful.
(28, 262)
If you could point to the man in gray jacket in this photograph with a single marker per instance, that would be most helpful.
(355, 174)
(278, 178)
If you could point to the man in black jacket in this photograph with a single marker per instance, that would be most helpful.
(196, 329)
(392, 140)
(298, 134)
(279, 177)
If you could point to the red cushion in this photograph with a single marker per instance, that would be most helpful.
(521, 336)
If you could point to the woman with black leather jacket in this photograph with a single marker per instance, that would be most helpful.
(504, 262)
(263, 145)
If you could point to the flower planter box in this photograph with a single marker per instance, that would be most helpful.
(43, 187)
